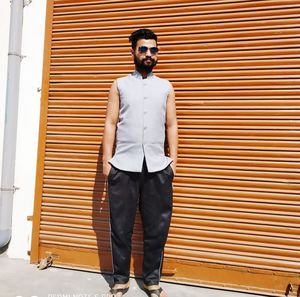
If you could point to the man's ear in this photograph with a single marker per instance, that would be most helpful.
(132, 52)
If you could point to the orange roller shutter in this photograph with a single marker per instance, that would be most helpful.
(235, 68)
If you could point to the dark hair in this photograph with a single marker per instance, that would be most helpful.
(141, 34)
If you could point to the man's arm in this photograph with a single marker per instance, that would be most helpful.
(171, 124)
(112, 115)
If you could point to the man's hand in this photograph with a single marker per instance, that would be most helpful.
(112, 115)
(172, 133)
(106, 168)
(173, 166)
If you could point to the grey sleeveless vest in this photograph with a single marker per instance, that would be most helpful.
(141, 128)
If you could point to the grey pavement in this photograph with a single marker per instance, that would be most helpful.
(19, 278)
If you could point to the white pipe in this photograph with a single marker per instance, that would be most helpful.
(10, 125)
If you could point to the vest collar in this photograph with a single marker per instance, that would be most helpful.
(137, 75)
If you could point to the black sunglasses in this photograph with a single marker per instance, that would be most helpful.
(144, 49)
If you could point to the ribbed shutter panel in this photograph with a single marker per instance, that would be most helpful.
(235, 69)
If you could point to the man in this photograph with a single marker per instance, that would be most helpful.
(141, 108)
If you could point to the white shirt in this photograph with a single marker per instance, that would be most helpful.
(141, 127)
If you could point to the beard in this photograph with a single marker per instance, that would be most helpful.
(144, 65)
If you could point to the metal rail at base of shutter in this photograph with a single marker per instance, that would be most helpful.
(234, 65)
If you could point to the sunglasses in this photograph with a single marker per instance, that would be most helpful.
(144, 50)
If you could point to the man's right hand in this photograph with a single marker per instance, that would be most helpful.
(106, 168)
(111, 121)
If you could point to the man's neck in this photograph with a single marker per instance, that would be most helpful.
(143, 73)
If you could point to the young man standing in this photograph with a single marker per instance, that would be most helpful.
(140, 113)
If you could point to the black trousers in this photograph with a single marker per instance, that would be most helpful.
(152, 191)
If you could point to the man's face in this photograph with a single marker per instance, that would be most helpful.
(145, 61)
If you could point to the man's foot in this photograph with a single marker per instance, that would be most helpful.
(155, 291)
(118, 290)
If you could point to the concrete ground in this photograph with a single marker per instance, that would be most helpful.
(18, 278)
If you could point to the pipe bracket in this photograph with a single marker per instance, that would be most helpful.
(17, 55)
(26, 2)
(13, 189)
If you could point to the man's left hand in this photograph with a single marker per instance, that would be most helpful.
(173, 166)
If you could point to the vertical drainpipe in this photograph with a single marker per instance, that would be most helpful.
(11, 116)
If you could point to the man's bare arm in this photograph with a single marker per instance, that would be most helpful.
(171, 124)
(112, 115)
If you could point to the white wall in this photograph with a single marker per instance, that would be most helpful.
(28, 116)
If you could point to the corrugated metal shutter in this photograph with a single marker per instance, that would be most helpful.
(235, 68)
